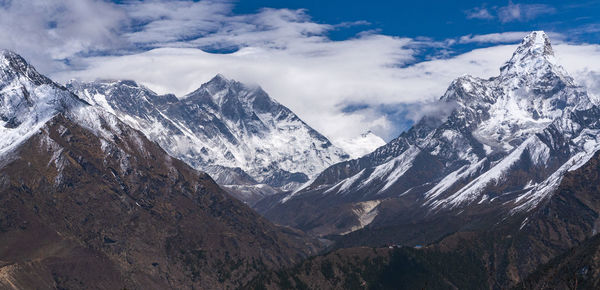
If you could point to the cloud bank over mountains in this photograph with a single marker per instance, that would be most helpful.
(175, 46)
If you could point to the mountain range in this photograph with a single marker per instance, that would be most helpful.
(504, 147)
(249, 143)
(90, 202)
(497, 189)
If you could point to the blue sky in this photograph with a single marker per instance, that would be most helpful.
(446, 19)
(578, 21)
(343, 66)
(440, 21)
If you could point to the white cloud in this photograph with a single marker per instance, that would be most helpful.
(313, 79)
(503, 37)
(358, 71)
(283, 50)
(511, 12)
(523, 12)
(479, 13)
(48, 31)
(583, 63)
(158, 23)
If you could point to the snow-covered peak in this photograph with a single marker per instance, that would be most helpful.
(219, 78)
(222, 91)
(536, 43)
(361, 145)
(222, 124)
(27, 100)
(13, 66)
(531, 91)
(126, 95)
(218, 83)
(466, 90)
(533, 58)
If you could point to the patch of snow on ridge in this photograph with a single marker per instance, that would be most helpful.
(345, 184)
(454, 177)
(392, 170)
(589, 143)
(538, 151)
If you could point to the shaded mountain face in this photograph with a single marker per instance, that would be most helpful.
(502, 150)
(89, 202)
(579, 268)
(554, 246)
(379, 268)
(571, 216)
(560, 233)
(235, 132)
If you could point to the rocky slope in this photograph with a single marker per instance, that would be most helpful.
(89, 202)
(554, 246)
(248, 142)
(502, 150)
(579, 268)
(379, 268)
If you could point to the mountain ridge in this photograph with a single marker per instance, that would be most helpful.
(225, 128)
(91, 202)
(504, 148)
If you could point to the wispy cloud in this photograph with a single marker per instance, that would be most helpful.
(479, 13)
(511, 12)
(504, 37)
(156, 23)
(523, 12)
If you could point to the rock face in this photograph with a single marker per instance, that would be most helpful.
(89, 202)
(571, 216)
(502, 151)
(555, 245)
(235, 132)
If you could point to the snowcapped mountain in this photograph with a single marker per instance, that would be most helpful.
(27, 100)
(501, 151)
(89, 201)
(361, 145)
(235, 132)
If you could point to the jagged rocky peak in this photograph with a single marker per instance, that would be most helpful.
(537, 43)
(27, 100)
(225, 92)
(76, 84)
(534, 57)
(218, 82)
(126, 94)
(224, 124)
(13, 65)
(217, 88)
(467, 89)
(25, 94)
(531, 85)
